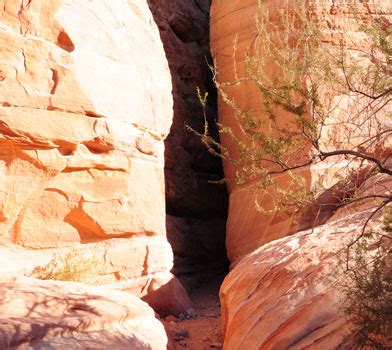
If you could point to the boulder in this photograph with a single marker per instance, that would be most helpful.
(44, 314)
(286, 294)
(291, 293)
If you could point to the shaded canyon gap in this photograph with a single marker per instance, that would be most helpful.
(196, 208)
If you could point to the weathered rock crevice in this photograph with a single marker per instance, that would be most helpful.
(196, 208)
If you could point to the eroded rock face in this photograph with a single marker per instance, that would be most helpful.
(284, 295)
(290, 293)
(247, 228)
(57, 315)
(85, 104)
(196, 207)
(283, 291)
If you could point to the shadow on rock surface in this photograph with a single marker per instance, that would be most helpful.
(57, 315)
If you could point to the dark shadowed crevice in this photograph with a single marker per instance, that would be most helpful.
(196, 208)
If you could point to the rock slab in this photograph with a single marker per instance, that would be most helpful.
(56, 315)
(85, 106)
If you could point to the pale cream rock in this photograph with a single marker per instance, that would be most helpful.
(57, 315)
(85, 105)
(288, 293)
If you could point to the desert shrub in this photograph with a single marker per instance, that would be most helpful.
(73, 266)
(368, 289)
(334, 91)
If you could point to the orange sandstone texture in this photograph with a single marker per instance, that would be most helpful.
(248, 229)
(85, 105)
(281, 292)
(285, 294)
(288, 293)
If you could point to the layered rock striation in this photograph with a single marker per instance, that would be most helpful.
(283, 290)
(291, 292)
(285, 295)
(196, 207)
(85, 106)
(231, 39)
(232, 42)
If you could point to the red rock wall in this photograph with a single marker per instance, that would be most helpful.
(85, 105)
(247, 228)
(282, 292)
(196, 208)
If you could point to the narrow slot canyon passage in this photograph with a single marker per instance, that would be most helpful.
(116, 231)
(196, 208)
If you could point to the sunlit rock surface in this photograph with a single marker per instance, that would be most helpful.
(282, 291)
(289, 293)
(85, 105)
(282, 295)
(247, 228)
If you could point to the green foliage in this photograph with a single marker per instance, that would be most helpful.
(322, 99)
(368, 288)
(73, 266)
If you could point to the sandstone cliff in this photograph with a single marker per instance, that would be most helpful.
(85, 106)
(282, 291)
(247, 228)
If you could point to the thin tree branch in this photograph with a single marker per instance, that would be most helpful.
(370, 217)
(377, 162)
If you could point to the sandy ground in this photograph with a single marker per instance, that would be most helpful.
(201, 329)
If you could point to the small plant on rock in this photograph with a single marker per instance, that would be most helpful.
(73, 266)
